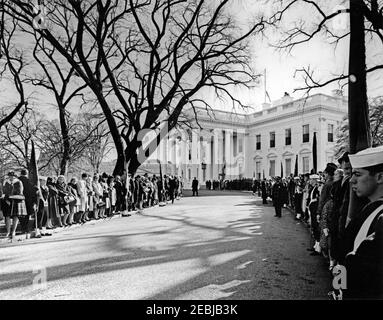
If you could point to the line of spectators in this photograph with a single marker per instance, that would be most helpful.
(322, 201)
(58, 203)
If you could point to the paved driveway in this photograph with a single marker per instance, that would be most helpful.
(221, 245)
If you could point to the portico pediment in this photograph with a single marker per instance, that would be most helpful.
(304, 151)
(287, 154)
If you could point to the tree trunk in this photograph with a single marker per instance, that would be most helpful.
(66, 143)
(359, 125)
(113, 128)
(131, 156)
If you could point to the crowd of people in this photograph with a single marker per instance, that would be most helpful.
(226, 184)
(322, 202)
(59, 203)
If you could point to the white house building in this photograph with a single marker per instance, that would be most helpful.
(232, 145)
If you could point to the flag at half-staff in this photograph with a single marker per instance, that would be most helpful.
(315, 153)
(281, 170)
(296, 167)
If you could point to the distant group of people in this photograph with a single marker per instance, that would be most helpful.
(226, 184)
(322, 201)
(58, 203)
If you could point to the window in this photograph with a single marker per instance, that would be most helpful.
(288, 137)
(272, 139)
(258, 140)
(272, 168)
(306, 164)
(240, 144)
(330, 133)
(288, 167)
(189, 173)
(306, 133)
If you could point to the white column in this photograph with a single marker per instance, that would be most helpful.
(216, 153)
(229, 153)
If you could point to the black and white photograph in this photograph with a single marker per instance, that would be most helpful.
(214, 152)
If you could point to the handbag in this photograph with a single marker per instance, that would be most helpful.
(69, 199)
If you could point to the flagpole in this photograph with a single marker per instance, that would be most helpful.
(36, 184)
(265, 84)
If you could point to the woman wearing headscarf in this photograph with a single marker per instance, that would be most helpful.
(13, 203)
(63, 200)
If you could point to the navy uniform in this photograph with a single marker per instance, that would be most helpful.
(363, 239)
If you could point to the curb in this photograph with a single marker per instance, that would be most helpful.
(20, 238)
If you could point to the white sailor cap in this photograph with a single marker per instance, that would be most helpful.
(314, 176)
(367, 157)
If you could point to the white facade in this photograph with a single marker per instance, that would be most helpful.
(226, 147)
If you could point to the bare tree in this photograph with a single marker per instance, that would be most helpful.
(81, 136)
(146, 61)
(16, 137)
(62, 85)
(101, 143)
(321, 24)
(376, 124)
(12, 64)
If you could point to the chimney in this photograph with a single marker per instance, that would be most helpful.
(337, 93)
(286, 98)
(266, 105)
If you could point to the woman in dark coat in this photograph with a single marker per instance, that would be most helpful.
(13, 205)
(53, 211)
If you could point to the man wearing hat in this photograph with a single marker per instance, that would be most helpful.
(363, 239)
(278, 195)
(342, 198)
